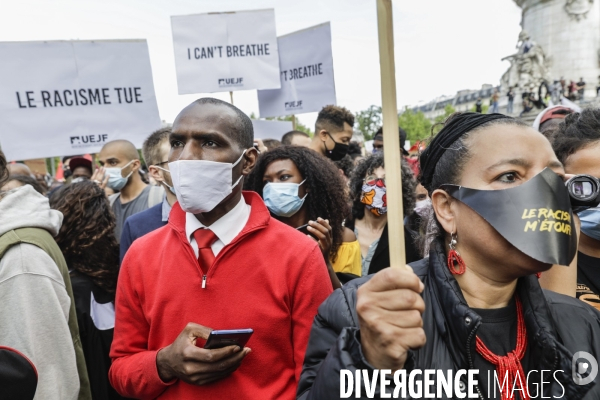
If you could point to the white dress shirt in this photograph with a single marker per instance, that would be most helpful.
(225, 228)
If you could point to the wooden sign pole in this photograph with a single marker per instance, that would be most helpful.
(391, 149)
(231, 97)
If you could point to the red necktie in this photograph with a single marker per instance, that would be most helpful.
(204, 239)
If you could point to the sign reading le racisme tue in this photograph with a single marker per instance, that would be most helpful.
(222, 52)
(61, 98)
(307, 83)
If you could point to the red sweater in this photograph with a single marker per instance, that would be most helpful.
(270, 278)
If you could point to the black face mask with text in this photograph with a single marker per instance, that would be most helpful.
(338, 152)
(535, 217)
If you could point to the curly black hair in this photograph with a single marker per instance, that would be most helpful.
(577, 131)
(324, 184)
(346, 165)
(86, 237)
(367, 166)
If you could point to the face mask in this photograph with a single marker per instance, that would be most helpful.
(590, 222)
(535, 217)
(116, 181)
(282, 198)
(67, 173)
(377, 151)
(374, 197)
(338, 152)
(200, 185)
(171, 188)
(422, 206)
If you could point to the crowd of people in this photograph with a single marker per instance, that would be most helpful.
(113, 280)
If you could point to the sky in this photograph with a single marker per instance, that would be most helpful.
(441, 46)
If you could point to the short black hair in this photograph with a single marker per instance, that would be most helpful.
(3, 169)
(151, 146)
(323, 181)
(577, 131)
(288, 137)
(354, 150)
(271, 144)
(367, 166)
(333, 117)
(243, 130)
(401, 133)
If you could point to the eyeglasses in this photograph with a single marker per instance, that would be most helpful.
(372, 180)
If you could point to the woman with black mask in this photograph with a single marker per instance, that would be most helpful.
(475, 302)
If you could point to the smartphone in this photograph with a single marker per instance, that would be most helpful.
(224, 338)
(304, 229)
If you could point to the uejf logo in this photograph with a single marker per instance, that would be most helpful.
(227, 82)
(88, 140)
(293, 105)
(584, 368)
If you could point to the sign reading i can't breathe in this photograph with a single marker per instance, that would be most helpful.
(307, 82)
(222, 52)
(61, 98)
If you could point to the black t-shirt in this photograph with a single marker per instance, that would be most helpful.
(511, 95)
(588, 279)
(498, 331)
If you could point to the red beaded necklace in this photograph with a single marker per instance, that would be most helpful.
(511, 363)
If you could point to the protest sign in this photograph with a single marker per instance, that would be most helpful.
(306, 65)
(271, 129)
(61, 98)
(221, 52)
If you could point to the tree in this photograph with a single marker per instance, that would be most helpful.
(368, 121)
(448, 111)
(416, 125)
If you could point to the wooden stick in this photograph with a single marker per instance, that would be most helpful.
(391, 149)
(293, 121)
(231, 97)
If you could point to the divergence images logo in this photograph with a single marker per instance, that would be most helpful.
(88, 140)
(584, 367)
(293, 105)
(231, 82)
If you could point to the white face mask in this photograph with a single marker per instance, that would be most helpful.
(421, 206)
(200, 185)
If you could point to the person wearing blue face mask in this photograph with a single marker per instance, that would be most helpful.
(577, 146)
(306, 191)
(156, 150)
(121, 165)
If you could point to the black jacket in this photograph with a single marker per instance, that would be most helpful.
(381, 257)
(557, 327)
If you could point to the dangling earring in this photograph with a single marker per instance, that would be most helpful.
(455, 258)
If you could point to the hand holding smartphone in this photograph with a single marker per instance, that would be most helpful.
(223, 338)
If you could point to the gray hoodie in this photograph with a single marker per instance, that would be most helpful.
(34, 303)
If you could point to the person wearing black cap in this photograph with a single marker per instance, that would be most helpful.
(475, 302)
(378, 141)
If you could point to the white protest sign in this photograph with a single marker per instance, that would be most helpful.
(271, 129)
(61, 98)
(222, 52)
(306, 65)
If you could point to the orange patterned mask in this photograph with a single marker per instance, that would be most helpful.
(374, 196)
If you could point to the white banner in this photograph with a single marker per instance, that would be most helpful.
(61, 98)
(222, 52)
(306, 65)
(271, 129)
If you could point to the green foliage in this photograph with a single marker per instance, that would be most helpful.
(439, 120)
(368, 121)
(299, 125)
(416, 125)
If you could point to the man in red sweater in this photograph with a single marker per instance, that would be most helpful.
(221, 262)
